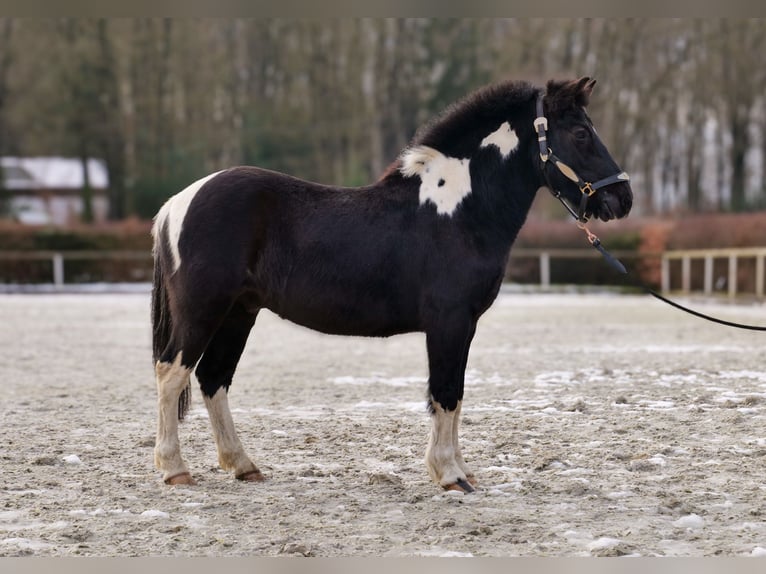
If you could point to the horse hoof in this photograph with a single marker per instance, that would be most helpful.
(181, 478)
(460, 486)
(251, 476)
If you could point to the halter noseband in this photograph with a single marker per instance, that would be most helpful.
(547, 156)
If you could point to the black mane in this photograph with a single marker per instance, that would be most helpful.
(460, 128)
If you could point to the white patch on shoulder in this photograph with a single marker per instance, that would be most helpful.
(174, 212)
(415, 160)
(504, 138)
(445, 181)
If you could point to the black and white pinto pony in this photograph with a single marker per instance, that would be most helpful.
(422, 249)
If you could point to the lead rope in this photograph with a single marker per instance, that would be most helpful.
(617, 265)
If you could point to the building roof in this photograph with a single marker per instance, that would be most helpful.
(51, 173)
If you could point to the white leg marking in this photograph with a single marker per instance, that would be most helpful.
(504, 138)
(172, 378)
(174, 212)
(445, 181)
(455, 441)
(440, 455)
(231, 454)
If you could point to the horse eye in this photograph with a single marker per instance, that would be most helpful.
(581, 134)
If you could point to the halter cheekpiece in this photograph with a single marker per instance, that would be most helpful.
(547, 156)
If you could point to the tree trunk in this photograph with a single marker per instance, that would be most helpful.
(739, 146)
(5, 64)
(164, 132)
(87, 189)
(6, 55)
(112, 139)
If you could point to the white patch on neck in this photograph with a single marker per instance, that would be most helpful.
(445, 181)
(504, 138)
(174, 212)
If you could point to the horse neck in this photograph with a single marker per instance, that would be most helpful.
(507, 197)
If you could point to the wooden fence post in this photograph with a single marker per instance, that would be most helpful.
(708, 274)
(58, 269)
(732, 275)
(545, 270)
(686, 274)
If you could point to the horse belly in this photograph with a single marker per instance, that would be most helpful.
(348, 309)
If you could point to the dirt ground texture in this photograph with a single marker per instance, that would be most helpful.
(597, 425)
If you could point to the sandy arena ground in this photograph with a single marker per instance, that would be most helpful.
(597, 425)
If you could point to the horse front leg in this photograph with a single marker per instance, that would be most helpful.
(470, 477)
(448, 348)
(231, 453)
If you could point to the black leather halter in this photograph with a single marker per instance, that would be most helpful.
(547, 157)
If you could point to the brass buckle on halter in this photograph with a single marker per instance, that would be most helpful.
(587, 189)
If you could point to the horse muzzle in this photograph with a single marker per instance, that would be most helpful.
(611, 202)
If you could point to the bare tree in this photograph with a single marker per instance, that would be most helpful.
(6, 54)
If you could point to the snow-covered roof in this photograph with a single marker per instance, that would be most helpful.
(52, 173)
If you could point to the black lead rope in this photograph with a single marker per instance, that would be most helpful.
(617, 265)
(613, 262)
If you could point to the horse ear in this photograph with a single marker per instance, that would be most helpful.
(554, 90)
(584, 90)
(554, 87)
(562, 94)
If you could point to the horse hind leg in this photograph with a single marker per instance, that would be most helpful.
(191, 330)
(172, 385)
(214, 373)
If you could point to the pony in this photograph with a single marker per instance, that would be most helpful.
(423, 249)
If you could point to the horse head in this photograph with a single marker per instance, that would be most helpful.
(576, 164)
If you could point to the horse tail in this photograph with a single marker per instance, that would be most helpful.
(162, 321)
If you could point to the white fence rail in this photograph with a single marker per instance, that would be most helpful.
(733, 256)
(545, 256)
(59, 258)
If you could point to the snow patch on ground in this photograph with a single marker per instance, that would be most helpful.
(152, 513)
(692, 521)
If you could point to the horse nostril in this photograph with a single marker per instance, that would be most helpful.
(614, 205)
(627, 202)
